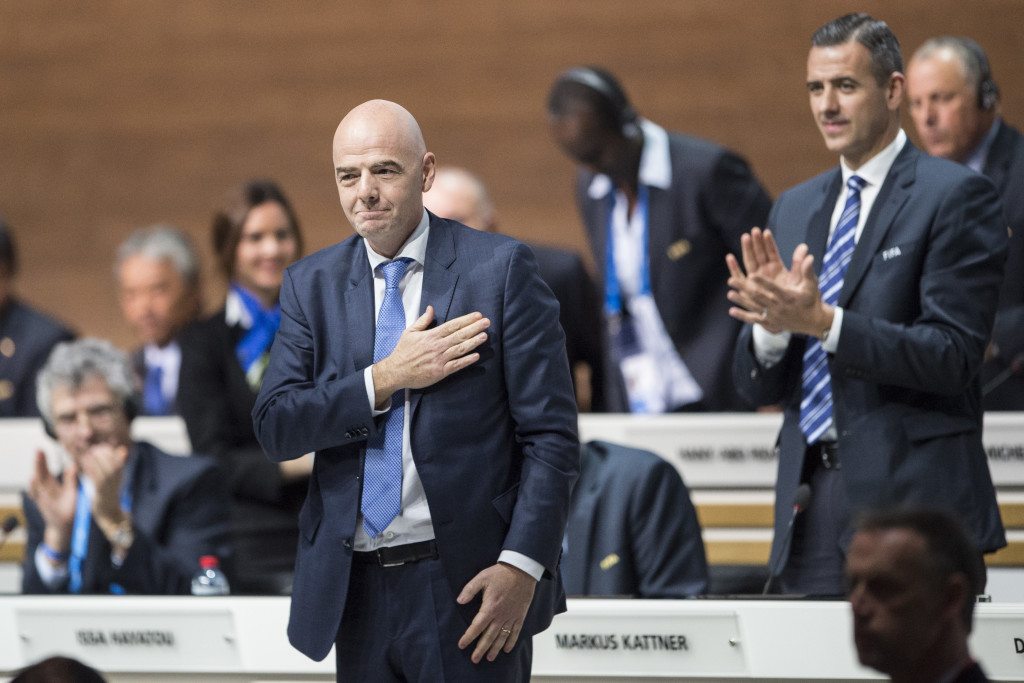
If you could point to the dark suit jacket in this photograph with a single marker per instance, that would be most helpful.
(33, 335)
(713, 200)
(1005, 166)
(972, 674)
(179, 515)
(216, 402)
(495, 445)
(579, 311)
(632, 528)
(918, 299)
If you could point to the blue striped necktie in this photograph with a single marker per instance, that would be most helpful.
(382, 469)
(816, 405)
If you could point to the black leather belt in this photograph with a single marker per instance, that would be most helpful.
(825, 454)
(396, 555)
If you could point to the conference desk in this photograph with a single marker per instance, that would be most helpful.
(236, 638)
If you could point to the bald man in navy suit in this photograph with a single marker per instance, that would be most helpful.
(445, 453)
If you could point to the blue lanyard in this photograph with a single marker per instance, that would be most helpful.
(80, 535)
(612, 292)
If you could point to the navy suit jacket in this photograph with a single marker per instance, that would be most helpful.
(918, 300)
(632, 528)
(1005, 166)
(32, 335)
(495, 444)
(179, 514)
(714, 199)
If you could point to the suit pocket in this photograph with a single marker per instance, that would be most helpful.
(506, 502)
(924, 426)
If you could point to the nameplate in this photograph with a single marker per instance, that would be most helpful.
(998, 641)
(694, 644)
(132, 640)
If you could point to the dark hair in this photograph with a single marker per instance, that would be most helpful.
(872, 33)
(229, 221)
(949, 549)
(599, 90)
(8, 255)
(974, 62)
(59, 670)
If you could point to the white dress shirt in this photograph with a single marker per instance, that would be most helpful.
(413, 523)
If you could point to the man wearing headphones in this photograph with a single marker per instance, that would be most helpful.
(954, 102)
(124, 517)
(661, 210)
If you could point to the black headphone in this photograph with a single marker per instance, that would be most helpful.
(988, 91)
(605, 85)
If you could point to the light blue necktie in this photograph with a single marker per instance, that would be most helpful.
(816, 406)
(382, 470)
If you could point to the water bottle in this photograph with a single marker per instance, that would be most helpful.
(209, 580)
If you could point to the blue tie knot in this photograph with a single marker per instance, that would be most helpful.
(393, 271)
(855, 183)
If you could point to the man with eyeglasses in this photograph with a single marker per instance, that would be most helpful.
(124, 517)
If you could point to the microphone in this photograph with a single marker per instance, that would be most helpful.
(801, 499)
(1014, 368)
(9, 524)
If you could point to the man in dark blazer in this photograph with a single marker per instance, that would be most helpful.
(913, 575)
(461, 196)
(632, 528)
(877, 371)
(443, 465)
(954, 101)
(687, 201)
(124, 517)
(26, 338)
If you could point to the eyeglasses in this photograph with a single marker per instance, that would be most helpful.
(97, 416)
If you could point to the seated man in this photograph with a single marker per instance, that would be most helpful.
(632, 528)
(158, 282)
(124, 517)
(913, 575)
(26, 338)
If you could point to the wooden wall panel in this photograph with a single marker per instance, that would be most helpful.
(116, 114)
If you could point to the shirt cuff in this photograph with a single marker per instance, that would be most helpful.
(371, 393)
(769, 348)
(520, 561)
(50, 575)
(832, 342)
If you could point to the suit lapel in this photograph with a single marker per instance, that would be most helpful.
(659, 215)
(440, 278)
(817, 230)
(891, 197)
(1000, 154)
(358, 305)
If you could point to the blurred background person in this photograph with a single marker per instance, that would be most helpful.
(58, 670)
(158, 288)
(26, 338)
(632, 528)
(954, 101)
(913, 576)
(124, 517)
(462, 196)
(255, 237)
(661, 211)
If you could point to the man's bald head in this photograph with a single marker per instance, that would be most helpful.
(382, 167)
(461, 196)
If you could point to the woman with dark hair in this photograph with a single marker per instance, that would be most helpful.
(255, 237)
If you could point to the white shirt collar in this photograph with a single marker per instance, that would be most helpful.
(235, 312)
(875, 169)
(655, 163)
(162, 356)
(979, 157)
(415, 247)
